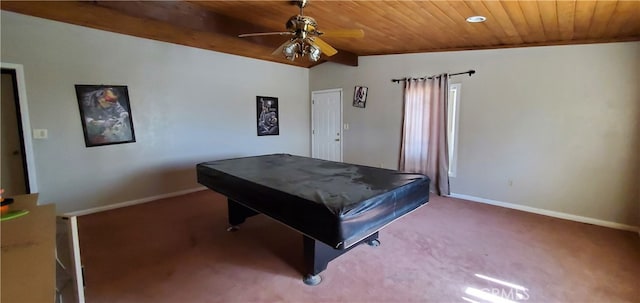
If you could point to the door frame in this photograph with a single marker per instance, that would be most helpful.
(341, 118)
(26, 124)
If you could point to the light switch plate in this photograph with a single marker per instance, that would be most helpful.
(40, 134)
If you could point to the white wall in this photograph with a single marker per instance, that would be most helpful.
(188, 106)
(560, 122)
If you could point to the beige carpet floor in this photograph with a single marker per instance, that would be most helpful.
(451, 250)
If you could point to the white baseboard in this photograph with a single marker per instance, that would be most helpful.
(534, 210)
(133, 202)
(549, 213)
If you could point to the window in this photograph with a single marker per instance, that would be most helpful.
(452, 126)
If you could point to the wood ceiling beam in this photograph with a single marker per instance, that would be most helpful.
(85, 14)
(343, 57)
(189, 16)
(193, 17)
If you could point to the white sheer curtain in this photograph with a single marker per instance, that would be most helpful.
(424, 131)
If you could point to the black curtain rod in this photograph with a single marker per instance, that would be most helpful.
(469, 72)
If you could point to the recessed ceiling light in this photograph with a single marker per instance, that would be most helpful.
(476, 19)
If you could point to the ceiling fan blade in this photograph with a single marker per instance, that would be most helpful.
(265, 34)
(344, 33)
(324, 47)
(278, 50)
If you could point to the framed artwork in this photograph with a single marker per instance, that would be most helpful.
(267, 110)
(105, 114)
(360, 96)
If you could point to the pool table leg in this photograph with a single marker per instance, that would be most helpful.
(317, 256)
(238, 213)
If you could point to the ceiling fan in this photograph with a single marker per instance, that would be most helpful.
(306, 37)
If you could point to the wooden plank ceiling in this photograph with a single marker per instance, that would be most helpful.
(391, 27)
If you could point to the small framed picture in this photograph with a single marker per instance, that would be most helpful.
(267, 112)
(360, 96)
(105, 114)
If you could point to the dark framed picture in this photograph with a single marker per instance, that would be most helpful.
(268, 121)
(105, 113)
(360, 96)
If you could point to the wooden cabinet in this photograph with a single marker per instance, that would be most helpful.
(27, 260)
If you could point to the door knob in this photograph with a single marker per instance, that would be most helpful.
(337, 139)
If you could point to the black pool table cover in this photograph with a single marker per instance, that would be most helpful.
(335, 203)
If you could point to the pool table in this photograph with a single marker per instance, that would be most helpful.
(335, 206)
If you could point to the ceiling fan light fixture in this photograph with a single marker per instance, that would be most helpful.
(314, 53)
(476, 19)
(291, 50)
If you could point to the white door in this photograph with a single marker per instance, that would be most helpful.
(12, 171)
(326, 128)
